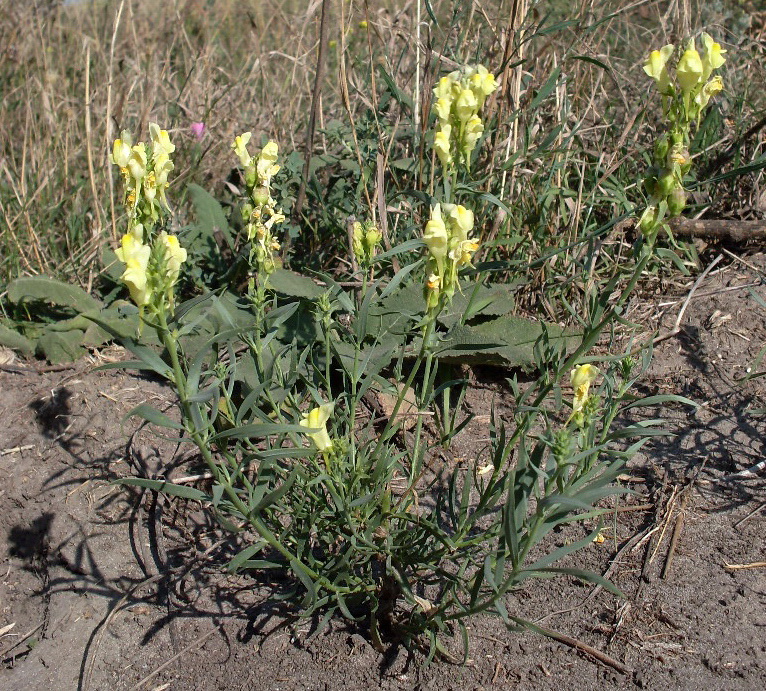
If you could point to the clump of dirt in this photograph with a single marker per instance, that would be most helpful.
(103, 586)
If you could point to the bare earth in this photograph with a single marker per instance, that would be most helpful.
(104, 587)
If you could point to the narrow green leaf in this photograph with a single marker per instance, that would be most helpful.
(165, 487)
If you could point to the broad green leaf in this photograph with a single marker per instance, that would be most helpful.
(52, 292)
(15, 341)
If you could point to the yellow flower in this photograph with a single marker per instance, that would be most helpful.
(689, 70)
(463, 252)
(582, 377)
(435, 235)
(240, 149)
(713, 56)
(444, 88)
(443, 106)
(442, 145)
(363, 24)
(316, 419)
(434, 282)
(160, 140)
(133, 249)
(462, 220)
(714, 86)
(266, 166)
(474, 128)
(137, 162)
(134, 278)
(175, 255)
(466, 105)
(121, 152)
(656, 67)
(483, 83)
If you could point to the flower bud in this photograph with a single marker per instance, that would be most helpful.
(677, 201)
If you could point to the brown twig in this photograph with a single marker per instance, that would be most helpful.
(585, 648)
(715, 229)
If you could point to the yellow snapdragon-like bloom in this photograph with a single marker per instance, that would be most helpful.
(134, 277)
(483, 83)
(443, 107)
(474, 128)
(466, 105)
(435, 235)
(656, 67)
(689, 70)
(581, 378)
(317, 419)
(137, 162)
(713, 58)
(443, 89)
(266, 167)
(121, 151)
(131, 248)
(240, 149)
(462, 220)
(175, 255)
(442, 145)
(160, 140)
(714, 86)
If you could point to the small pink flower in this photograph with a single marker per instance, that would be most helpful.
(198, 130)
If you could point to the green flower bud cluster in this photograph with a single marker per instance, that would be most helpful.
(260, 212)
(449, 247)
(152, 264)
(683, 101)
(459, 98)
(366, 239)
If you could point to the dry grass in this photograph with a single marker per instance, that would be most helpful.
(72, 77)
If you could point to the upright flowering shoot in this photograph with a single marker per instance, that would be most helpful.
(259, 212)
(152, 262)
(684, 99)
(459, 98)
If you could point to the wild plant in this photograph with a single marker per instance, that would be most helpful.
(277, 388)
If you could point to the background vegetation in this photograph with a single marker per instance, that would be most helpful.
(568, 141)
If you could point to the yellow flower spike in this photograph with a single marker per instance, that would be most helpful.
(442, 145)
(656, 67)
(134, 278)
(137, 162)
(160, 140)
(581, 378)
(713, 58)
(240, 148)
(689, 70)
(316, 419)
(466, 105)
